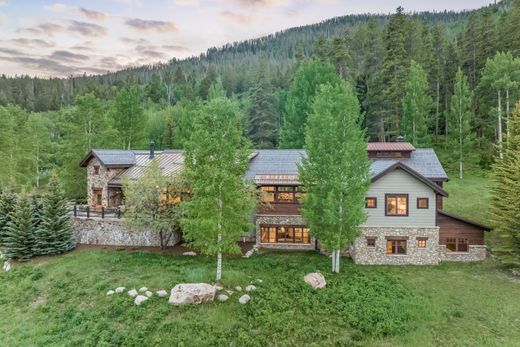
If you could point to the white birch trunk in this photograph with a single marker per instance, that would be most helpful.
(460, 134)
(500, 149)
(507, 114)
(219, 239)
(333, 259)
(219, 266)
(337, 261)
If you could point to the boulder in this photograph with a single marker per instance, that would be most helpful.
(120, 289)
(7, 266)
(192, 293)
(315, 280)
(189, 253)
(162, 293)
(222, 297)
(133, 293)
(110, 292)
(140, 299)
(250, 288)
(143, 289)
(148, 293)
(230, 292)
(244, 299)
(219, 287)
(238, 288)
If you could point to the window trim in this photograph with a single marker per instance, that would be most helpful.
(395, 240)
(295, 190)
(278, 226)
(397, 195)
(457, 244)
(371, 238)
(427, 203)
(96, 170)
(370, 198)
(419, 239)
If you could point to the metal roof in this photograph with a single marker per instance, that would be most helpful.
(111, 157)
(267, 166)
(390, 147)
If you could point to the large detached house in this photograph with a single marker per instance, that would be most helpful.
(405, 221)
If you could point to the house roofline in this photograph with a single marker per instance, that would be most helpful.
(465, 220)
(409, 170)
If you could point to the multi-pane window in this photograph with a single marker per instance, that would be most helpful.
(457, 245)
(281, 194)
(285, 234)
(370, 202)
(396, 205)
(371, 241)
(396, 247)
(421, 242)
(422, 203)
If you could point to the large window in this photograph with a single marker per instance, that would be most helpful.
(285, 234)
(457, 245)
(396, 247)
(281, 194)
(396, 205)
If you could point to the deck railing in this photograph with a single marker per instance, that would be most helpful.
(96, 212)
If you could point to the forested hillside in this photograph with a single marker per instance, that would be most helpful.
(447, 80)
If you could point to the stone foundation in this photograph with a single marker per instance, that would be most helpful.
(281, 220)
(113, 232)
(362, 254)
(476, 253)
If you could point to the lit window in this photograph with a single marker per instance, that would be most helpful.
(285, 234)
(371, 241)
(370, 202)
(281, 194)
(422, 203)
(396, 247)
(421, 243)
(457, 245)
(397, 204)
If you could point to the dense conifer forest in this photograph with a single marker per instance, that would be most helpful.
(446, 80)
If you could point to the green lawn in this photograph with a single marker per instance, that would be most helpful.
(61, 301)
(469, 197)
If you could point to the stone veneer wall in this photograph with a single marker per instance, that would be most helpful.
(281, 220)
(113, 232)
(99, 181)
(476, 253)
(361, 254)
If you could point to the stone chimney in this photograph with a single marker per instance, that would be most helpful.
(152, 149)
(399, 138)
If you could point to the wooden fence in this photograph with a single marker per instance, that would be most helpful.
(98, 212)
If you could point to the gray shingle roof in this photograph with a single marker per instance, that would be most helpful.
(285, 161)
(115, 157)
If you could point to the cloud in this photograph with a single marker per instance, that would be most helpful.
(2, 2)
(186, 2)
(43, 29)
(57, 8)
(10, 51)
(87, 29)
(33, 42)
(151, 25)
(92, 14)
(239, 18)
(150, 51)
(139, 41)
(257, 3)
(68, 56)
(176, 48)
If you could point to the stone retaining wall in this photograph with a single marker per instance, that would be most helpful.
(362, 254)
(476, 253)
(113, 232)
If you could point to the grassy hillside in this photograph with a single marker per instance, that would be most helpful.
(470, 197)
(61, 301)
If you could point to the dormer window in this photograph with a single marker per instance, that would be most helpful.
(96, 170)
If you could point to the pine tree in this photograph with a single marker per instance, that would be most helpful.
(155, 89)
(309, 76)
(461, 116)
(263, 120)
(336, 181)
(416, 107)
(54, 234)
(395, 67)
(505, 209)
(19, 237)
(7, 204)
(216, 159)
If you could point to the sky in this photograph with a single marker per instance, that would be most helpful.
(71, 37)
